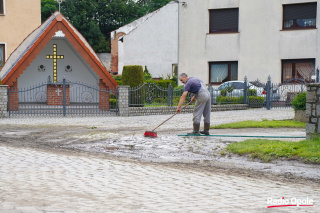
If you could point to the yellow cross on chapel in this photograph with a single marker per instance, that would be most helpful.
(55, 57)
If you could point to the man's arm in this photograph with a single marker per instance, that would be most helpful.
(182, 99)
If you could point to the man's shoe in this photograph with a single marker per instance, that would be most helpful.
(206, 129)
(195, 131)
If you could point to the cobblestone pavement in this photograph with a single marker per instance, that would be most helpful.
(180, 121)
(35, 181)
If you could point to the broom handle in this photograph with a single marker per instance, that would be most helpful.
(171, 116)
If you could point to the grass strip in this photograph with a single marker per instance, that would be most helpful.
(267, 150)
(262, 124)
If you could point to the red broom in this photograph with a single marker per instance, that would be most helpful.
(153, 134)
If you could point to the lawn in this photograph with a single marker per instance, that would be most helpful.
(262, 124)
(267, 150)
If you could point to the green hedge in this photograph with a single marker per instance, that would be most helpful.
(229, 100)
(254, 100)
(133, 76)
(252, 92)
(113, 103)
(165, 83)
(223, 92)
(299, 101)
(118, 79)
(0, 82)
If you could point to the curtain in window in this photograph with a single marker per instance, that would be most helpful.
(219, 72)
(1, 56)
(287, 71)
(305, 70)
(234, 72)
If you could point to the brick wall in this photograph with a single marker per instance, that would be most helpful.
(313, 110)
(3, 101)
(114, 52)
(55, 94)
(103, 96)
(14, 100)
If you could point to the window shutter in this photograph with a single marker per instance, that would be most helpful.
(300, 11)
(224, 20)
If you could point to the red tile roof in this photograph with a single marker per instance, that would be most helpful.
(21, 58)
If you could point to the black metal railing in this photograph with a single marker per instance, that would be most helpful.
(152, 95)
(62, 98)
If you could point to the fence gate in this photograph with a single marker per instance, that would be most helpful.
(62, 99)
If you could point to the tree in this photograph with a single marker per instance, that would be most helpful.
(151, 5)
(48, 7)
(95, 19)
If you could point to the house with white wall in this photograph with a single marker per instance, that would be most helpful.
(150, 41)
(224, 40)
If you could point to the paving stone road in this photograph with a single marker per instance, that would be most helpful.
(36, 181)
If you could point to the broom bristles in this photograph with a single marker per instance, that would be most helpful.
(150, 134)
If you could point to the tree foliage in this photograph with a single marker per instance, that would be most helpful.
(95, 19)
(47, 8)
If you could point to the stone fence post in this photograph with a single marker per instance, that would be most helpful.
(313, 110)
(3, 101)
(123, 100)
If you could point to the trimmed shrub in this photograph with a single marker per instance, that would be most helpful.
(223, 92)
(118, 79)
(165, 83)
(0, 82)
(113, 103)
(299, 101)
(146, 75)
(133, 76)
(256, 101)
(252, 92)
(229, 100)
(175, 79)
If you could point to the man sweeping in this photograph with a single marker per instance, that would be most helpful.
(203, 102)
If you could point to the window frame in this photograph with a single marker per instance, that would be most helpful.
(229, 70)
(223, 31)
(295, 26)
(293, 71)
(4, 53)
(3, 4)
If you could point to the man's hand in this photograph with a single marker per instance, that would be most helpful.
(178, 110)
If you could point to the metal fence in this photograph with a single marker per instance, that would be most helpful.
(257, 94)
(254, 93)
(151, 95)
(62, 98)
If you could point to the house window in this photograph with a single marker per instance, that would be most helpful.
(224, 20)
(1, 7)
(174, 69)
(223, 71)
(299, 16)
(2, 55)
(300, 68)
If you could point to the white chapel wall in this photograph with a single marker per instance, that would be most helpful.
(81, 72)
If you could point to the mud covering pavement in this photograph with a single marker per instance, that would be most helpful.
(78, 159)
